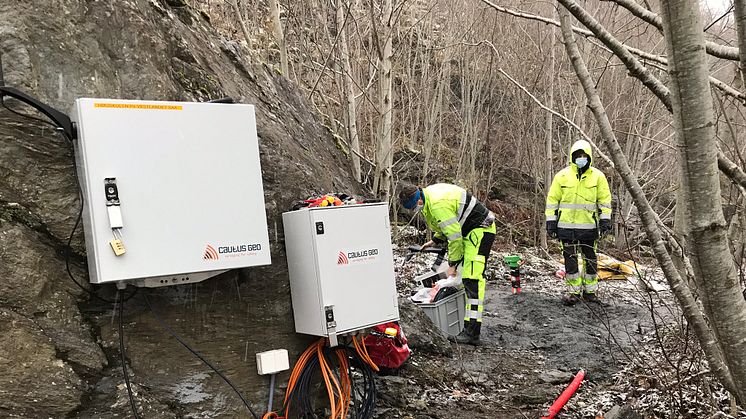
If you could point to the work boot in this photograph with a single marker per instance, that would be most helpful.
(571, 299)
(591, 297)
(465, 338)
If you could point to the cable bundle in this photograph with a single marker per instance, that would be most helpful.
(347, 375)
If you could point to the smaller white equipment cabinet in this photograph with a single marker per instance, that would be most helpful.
(341, 268)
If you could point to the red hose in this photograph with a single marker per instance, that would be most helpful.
(565, 396)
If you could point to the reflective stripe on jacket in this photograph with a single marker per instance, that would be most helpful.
(578, 200)
(451, 213)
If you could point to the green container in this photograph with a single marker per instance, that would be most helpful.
(512, 260)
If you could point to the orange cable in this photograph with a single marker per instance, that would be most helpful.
(297, 369)
(346, 382)
(363, 352)
(341, 410)
(328, 382)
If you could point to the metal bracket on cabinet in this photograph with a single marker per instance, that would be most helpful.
(331, 325)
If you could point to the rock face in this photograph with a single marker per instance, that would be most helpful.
(54, 359)
(422, 334)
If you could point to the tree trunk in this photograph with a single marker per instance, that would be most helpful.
(739, 12)
(694, 121)
(384, 152)
(434, 113)
(349, 95)
(241, 23)
(548, 170)
(274, 8)
(680, 290)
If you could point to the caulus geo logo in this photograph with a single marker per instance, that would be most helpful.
(233, 251)
(357, 256)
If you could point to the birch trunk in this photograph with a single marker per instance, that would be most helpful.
(548, 141)
(384, 152)
(739, 13)
(680, 290)
(349, 95)
(434, 113)
(274, 9)
(694, 121)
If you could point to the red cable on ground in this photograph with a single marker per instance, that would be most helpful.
(565, 396)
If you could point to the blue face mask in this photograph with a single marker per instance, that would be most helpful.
(581, 162)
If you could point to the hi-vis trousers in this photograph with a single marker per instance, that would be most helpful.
(477, 245)
(575, 279)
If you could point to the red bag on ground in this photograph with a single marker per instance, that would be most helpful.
(387, 350)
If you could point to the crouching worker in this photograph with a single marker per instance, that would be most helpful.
(578, 209)
(455, 216)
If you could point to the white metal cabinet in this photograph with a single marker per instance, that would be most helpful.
(189, 182)
(340, 259)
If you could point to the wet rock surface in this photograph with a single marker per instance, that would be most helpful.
(151, 50)
(34, 382)
(422, 334)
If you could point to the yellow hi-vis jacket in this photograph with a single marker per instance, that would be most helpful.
(578, 200)
(451, 213)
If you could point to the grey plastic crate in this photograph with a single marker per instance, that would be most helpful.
(448, 313)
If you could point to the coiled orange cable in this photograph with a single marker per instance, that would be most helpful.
(339, 391)
(363, 352)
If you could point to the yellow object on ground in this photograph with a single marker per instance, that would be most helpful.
(610, 268)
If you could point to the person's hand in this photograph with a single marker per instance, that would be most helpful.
(552, 229)
(428, 244)
(452, 270)
(604, 226)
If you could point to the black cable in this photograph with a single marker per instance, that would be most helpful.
(369, 393)
(197, 354)
(303, 395)
(68, 247)
(124, 361)
(43, 121)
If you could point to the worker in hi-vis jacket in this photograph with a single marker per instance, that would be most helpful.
(457, 217)
(578, 212)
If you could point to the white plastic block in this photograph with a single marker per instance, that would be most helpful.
(271, 362)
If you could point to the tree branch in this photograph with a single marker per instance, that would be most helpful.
(559, 115)
(724, 87)
(642, 54)
(731, 169)
(639, 71)
(716, 50)
(634, 66)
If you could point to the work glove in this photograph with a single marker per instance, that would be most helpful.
(552, 229)
(604, 226)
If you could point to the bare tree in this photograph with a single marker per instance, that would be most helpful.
(548, 171)
(706, 228)
(384, 146)
(348, 83)
(274, 8)
(241, 23)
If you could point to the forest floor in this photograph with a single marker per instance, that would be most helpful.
(638, 358)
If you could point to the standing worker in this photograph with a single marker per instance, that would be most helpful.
(454, 215)
(579, 211)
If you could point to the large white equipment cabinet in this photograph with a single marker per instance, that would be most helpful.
(178, 183)
(341, 268)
